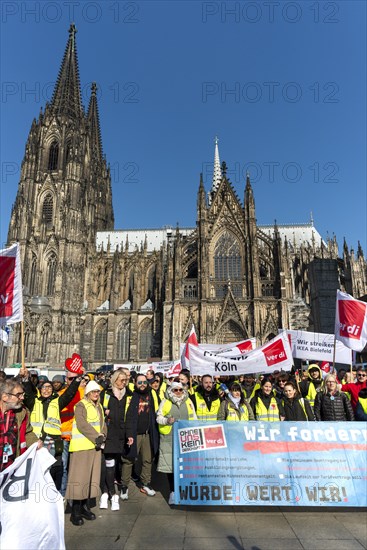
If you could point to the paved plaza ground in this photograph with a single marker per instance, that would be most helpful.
(148, 523)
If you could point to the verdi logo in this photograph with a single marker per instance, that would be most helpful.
(274, 353)
(351, 318)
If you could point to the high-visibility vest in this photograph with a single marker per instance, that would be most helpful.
(155, 401)
(67, 413)
(167, 406)
(78, 441)
(202, 411)
(311, 394)
(363, 402)
(51, 424)
(232, 415)
(267, 415)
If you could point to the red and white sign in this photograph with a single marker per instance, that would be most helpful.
(11, 296)
(351, 321)
(174, 370)
(275, 354)
(74, 364)
(185, 356)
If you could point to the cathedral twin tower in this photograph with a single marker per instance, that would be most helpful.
(121, 296)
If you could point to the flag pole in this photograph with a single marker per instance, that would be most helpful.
(334, 352)
(22, 343)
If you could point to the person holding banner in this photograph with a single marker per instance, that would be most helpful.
(176, 406)
(265, 405)
(331, 404)
(295, 406)
(235, 408)
(87, 439)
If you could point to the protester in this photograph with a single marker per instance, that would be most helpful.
(16, 432)
(295, 406)
(265, 405)
(158, 385)
(249, 386)
(114, 402)
(142, 436)
(58, 383)
(45, 417)
(67, 418)
(361, 409)
(206, 400)
(331, 404)
(314, 383)
(2, 376)
(279, 384)
(88, 436)
(176, 406)
(235, 407)
(355, 387)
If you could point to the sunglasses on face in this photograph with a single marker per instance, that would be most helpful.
(142, 382)
(177, 390)
(362, 375)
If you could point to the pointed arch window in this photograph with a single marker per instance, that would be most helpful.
(230, 332)
(123, 341)
(131, 289)
(100, 341)
(145, 339)
(44, 341)
(33, 275)
(53, 156)
(48, 210)
(227, 264)
(151, 284)
(51, 274)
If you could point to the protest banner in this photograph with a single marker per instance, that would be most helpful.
(351, 321)
(316, 346)
(270, 463)
(275, 354)
(31, 508)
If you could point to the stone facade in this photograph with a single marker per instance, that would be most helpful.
(128, 296)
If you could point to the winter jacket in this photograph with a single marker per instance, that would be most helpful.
(227, 404)
(335, 407)
(294, 410)
(132, 425)
(115, 421)
(354, 389)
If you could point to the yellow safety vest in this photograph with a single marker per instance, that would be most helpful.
(311, 394)
(363, 402)
(78, 441)
(232, 415)
(167, 406)
(202, 411)
(267, 415)
(52, 424)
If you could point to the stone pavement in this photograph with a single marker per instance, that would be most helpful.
(148, 523)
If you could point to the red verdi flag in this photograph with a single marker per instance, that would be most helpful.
(351, 321)
(11, 297)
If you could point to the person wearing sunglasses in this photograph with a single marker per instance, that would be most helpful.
(141, 435)
(176, 406)
(355, 387)
(16, 432)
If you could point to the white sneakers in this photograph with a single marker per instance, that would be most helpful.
(148, 490)
(124, 495)
(115, 503)
(171, 499)
(103, 502)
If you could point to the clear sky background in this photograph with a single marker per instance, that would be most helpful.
(282, 84)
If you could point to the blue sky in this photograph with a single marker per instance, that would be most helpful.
(282, 85)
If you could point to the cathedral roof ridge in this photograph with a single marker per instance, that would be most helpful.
(302, 224)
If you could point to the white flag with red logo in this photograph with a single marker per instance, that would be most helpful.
(174, 370)
(274, 355)
(351, 321)
(185, 356)
(11, 296)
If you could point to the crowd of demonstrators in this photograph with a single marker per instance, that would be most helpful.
(176, 406)
(98, 429)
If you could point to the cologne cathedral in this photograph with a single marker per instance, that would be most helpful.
(130, 296)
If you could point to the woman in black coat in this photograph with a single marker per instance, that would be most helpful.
(114, 402)
(295, 406)
(331, 404)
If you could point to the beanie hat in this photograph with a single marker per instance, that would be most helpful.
(91, 386)
(175, 385)
(58, 378)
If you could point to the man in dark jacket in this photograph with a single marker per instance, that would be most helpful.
(142, 435)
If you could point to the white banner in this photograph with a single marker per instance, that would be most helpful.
(317, 347)
(31, 508)
(11, 290)
(274, 355)
(351, 321)
(142, 368)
